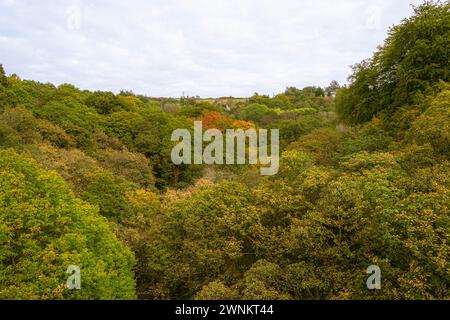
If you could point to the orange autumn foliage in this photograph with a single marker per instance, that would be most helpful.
(217, 120)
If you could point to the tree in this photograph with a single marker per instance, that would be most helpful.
(206, 237)
(103, 102)
(410, 63)
(368, 137)
(263, 282)
(108, 192)
(217, 120)
(291, 130)
(44, 229)
(196, 109)
(217, 290)
(332, 88)
(23, 122)
(74, 117)
(257, 113)
(133, 167)
(3, 78)
(432, 126)
(321, 143)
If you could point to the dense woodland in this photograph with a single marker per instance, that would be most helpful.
(86, 179)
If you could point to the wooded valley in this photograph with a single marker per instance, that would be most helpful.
(86, 179)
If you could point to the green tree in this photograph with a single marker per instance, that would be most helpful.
(103, 102)
(410, 63)
(3, 78)
(257, 113)
(44, 229)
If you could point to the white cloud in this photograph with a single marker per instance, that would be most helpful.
(207, 48)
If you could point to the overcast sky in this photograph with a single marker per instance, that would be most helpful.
(200, 47)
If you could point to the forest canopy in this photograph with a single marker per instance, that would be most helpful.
(86, 179)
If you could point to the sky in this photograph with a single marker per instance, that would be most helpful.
(209, 48)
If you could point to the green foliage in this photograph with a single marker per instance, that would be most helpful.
(293, 98)
(195, 110)
(14, 92)
(18, 127)
(257, 113)
(432, 126)
(216, 290)
(368, 137)
(44, 229)
(372, 189)
(74, 117)
(321, 143)
(291, 130)
(261, 282)
(205, 236)
(72, 164)
(103, 102)
(108, 193)
(149, 133)
(134, 167)
(411, 61)
(3, 79)
(23, 123)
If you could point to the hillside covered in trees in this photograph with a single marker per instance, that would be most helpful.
(86, 179)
